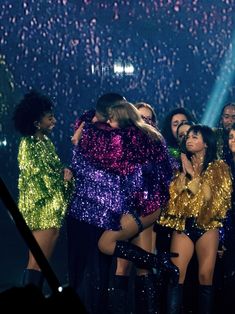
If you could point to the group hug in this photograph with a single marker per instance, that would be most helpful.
(148, 207)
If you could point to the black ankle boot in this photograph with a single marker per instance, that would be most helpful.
(174, 298)
(146, 298)
(34, 277)
(205, 299)
(118, 295)
(146, 260)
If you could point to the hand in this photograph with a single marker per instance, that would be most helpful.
(94, 119)
(182, 157)
(67, 174)
(77, 134)
(197, 166)
(74, 140)
(187, 165)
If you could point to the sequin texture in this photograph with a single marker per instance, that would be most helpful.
(209, 214)
(118, 171)
(43, 194)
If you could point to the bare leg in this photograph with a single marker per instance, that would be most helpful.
(107, 242)
(114, 243)
(181, 244)
(123, 265)
(206, 248)
(144, 240)
(46, 240)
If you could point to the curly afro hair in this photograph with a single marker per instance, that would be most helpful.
(30, 109)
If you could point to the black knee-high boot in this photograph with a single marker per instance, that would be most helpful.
(118, 295)
(146, 260)
(174, 298)
(205, 299)
(146, 295)
(34, 277)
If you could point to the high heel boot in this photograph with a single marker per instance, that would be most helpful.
(146, 260)
(205, 299)
(174, 298)
(118, 295)
(146, 295)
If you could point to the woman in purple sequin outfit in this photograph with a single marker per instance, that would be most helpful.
(123, 170)
(88, 217)
(143, 166)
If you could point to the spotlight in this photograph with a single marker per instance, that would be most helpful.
(128, 69)
(3, 142)
(118, 68)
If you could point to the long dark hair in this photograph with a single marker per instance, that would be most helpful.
(229, 104)
(228, 154)
(166, 126)
(182, 143)
(209, 138)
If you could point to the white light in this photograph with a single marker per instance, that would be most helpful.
(60, 289)
(118, 68)
(128, 69)
(3, 142)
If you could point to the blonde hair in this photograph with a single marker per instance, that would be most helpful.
(126, 114)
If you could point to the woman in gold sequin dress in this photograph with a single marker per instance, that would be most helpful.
(200, 196)
(42, 180)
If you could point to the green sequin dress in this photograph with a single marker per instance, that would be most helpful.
(43, 194)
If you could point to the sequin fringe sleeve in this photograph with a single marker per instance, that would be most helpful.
(42, 191)
(140, 164)
(157, 174)
(209, 212)
(87, 116)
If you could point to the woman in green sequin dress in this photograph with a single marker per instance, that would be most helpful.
(43, 182)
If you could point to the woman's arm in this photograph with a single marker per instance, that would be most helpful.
(77, 134)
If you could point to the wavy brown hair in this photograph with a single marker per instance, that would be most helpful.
(126, 114)
(139, 105)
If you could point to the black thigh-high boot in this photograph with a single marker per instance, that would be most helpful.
(33, 277)
(146, 260)
(205, 299)
(146, 295)
(118, 295)
(174, 298)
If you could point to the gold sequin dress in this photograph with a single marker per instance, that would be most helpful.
(208, 205)
(42, 190)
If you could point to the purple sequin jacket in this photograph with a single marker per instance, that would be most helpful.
(118, 171)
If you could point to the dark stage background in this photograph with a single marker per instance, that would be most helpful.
(167, 53)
